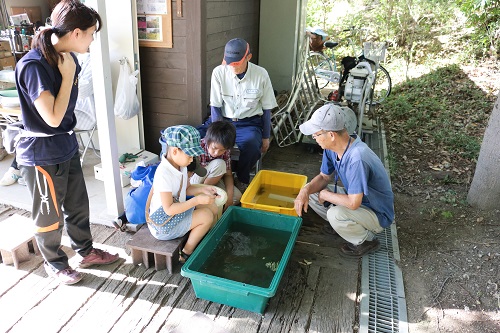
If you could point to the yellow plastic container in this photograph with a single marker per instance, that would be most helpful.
(273, 191)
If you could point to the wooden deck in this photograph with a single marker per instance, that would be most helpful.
(317, 293)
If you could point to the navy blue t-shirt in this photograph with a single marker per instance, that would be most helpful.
(33, 76)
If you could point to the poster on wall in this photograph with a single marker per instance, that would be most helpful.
(154, 23)
(149, 27)
(152, 7)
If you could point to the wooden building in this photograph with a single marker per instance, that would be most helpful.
(176, 81)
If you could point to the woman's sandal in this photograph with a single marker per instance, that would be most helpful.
(183, 257)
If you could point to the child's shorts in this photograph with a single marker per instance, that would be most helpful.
(166, 232)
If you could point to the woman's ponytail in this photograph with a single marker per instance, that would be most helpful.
(43, 42)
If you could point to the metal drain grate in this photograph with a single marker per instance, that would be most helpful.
(383, 303)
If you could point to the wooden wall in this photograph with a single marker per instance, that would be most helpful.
(176, 82)
(227, 20)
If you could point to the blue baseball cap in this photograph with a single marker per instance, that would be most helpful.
(236, 49)
(185, 137)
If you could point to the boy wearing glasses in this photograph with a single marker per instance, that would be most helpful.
(364, 205)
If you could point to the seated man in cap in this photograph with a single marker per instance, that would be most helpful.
(364, 205)
(241, 93)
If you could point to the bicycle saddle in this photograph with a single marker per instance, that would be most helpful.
(329, 44)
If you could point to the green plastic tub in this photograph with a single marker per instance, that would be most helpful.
(242, 259)
(9, 93)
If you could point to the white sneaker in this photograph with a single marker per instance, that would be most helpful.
(10, 177)
(21, 181)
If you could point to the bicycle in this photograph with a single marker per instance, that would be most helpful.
(325, 69)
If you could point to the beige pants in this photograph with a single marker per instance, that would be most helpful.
(217, 168)
(355, 226)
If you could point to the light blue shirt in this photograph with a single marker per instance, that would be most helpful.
(361, 171)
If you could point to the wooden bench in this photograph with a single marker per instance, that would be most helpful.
(145, 247)
(17, 239)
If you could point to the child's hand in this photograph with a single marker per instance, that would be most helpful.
(205, 199)
(210, 191)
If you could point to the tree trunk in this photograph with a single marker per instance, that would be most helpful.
(484, 192)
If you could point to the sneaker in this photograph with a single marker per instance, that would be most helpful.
(21, 181)
(66, 276)
(357, 251)
(98, 257)
(10, 177)
(3, 153)
(240, 186)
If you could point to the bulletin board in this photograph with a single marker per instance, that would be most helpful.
(154, 23)
(34, 13)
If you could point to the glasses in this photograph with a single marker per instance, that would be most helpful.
(314, 136)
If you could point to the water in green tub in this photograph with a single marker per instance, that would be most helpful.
(247, 254)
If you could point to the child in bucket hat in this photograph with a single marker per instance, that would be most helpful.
(168, 214)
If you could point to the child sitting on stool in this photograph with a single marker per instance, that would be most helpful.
(216, 159)
(168, 213)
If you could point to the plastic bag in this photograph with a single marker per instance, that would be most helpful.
(11, 135)
(126, 101)
(13, 132)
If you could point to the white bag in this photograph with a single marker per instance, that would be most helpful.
(13, 132)
(126, 101)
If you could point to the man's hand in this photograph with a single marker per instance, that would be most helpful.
(322, 196)
(265, 145)
(228, 204)
(301, 202)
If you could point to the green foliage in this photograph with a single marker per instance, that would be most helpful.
(317, 13)
(484, 17)
(432, 104)
(409, 26)
(447, 214)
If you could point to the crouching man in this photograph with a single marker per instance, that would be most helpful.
(364, 205)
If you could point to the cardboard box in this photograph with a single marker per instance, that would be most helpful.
(8, 63)
(126, 169)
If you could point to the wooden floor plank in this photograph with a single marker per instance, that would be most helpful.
(283, 307)
(17, 302)
(304, 311)
(334, 302)
(111, 301)
(144, 317)
(72, 298)
(168, 299)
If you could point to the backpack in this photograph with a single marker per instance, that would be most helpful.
(135, 201)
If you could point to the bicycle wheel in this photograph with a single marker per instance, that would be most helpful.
(320, 62)
(383, 85)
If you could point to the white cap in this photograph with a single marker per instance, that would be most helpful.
(329, 117)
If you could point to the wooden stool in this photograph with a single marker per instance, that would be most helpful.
(165, 253)
(15, 238)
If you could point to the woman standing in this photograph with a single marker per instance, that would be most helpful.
(47, 81)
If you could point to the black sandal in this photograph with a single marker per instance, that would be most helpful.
(183, 257)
